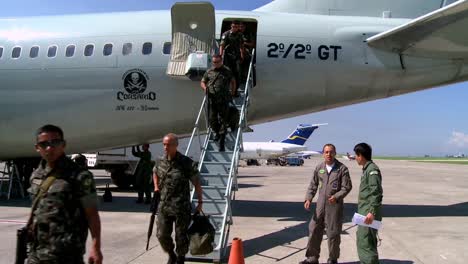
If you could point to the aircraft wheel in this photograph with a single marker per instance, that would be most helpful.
(122, 180)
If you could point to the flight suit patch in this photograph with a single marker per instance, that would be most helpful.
(322, 171)
(335, 185)
(373, 173)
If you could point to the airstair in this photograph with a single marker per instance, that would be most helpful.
(218, 170)
(10, 176)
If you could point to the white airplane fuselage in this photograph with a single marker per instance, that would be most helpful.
(328, 65)
(268, 150)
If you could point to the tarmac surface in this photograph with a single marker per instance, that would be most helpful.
(425, 216)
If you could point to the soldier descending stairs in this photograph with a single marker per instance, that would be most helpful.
(218, 166)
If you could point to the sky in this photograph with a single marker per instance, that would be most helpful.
(431, 122)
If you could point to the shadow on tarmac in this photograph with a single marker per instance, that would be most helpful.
(286, 211)
(384, 261)
(294, 211)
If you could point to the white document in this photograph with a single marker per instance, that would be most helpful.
(359, 220)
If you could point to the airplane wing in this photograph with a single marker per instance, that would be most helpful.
(439, 34)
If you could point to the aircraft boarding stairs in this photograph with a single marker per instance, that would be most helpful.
(218, 172)
(10, 176)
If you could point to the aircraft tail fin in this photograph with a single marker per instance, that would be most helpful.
(440, 34)
(300, 135)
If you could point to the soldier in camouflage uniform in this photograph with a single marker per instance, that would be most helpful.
(61, 220)
(143, 173)
(232, 50)
(331, 178)
(249, 45)
(219, 84)
(369, 204)
(172, 175)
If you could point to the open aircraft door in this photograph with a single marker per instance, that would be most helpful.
(193, 39)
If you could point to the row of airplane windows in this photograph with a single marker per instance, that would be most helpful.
(88, 51)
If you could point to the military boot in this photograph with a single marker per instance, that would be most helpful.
(172, 258)
(309, 261)
(180, 260)
(221, 142)
(216, 138)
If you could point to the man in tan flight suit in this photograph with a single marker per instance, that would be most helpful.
(331, 179)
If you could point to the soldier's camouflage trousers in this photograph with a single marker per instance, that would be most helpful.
(234, 64)
(33, 259)
(164, 232)
(218, 113)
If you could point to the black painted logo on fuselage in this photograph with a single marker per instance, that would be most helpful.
(135, 83)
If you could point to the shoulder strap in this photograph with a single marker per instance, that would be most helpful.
(43, 188)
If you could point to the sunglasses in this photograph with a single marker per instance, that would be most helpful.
(52, 143)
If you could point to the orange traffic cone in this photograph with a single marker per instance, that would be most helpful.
(237, 252)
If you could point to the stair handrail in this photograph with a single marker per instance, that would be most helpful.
(236, 151)
(196, 128)
(241, 124)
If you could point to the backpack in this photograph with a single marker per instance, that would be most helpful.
(201, 234)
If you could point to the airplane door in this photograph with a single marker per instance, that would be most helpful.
(193, 38)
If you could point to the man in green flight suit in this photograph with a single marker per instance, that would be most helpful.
(369, 204)
(172, 175)
(143, 173)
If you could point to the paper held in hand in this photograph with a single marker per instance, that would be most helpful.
(359, 220)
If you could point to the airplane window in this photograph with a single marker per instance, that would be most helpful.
(16, 52)
(127, 48)
(107, 49)
(147, 48)
(1, 52)
(89, 50)
(70, 51)
(167, 48)
(52, 52)
(34, 52)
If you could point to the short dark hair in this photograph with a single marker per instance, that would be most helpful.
(217, 56)
(236, 22)
(329, 145)
(363, 149)
(49, 129)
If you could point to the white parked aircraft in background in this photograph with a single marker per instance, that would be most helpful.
(269, 150)
(108, 79)
(306, 154)
(349, 156)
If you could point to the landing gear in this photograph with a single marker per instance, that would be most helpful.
(121, 179)
(15, 177)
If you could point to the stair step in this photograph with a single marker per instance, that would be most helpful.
(216, 163)
(213, 193)
(212, 207)
(214, 180)
(214, 174)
